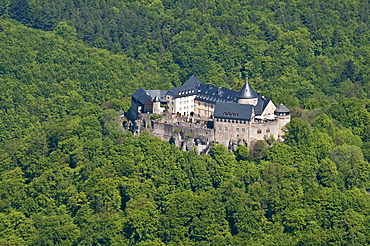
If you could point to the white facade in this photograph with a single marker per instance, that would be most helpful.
(182, 105)
(269, 110)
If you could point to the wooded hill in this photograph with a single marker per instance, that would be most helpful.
(69, 175)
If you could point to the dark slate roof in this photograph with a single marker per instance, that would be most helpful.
(212, 94)
(144, 98)
(193, 81)
(261, 105)
(161, 94)
(187, 89)
(233, 111)
(282, 109)
(137, 94)
(182, 91)
(246, 92)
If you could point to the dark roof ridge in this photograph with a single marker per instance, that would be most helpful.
(193, 81)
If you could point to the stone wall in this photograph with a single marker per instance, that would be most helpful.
(230, 134)
(263, 130)
(185, 134)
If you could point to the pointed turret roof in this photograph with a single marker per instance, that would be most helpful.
(156, 99)
(246, 92)
(282, 109)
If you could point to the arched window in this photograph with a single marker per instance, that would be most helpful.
(259, 131)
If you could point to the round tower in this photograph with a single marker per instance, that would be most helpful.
(156, 106)
(283, 117)
(247, 95)
(282, 111)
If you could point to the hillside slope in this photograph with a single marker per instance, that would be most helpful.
(69, 175)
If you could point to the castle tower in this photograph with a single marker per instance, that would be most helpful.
(247, 95)
(156, 106)
(283, 117)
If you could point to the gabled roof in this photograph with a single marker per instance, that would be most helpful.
(261, 105)
(233, 111)
(144, 98)
(193, 81)
(137, 94)
(246, 92)
(189, 88)
(282, 109)
(161, 94)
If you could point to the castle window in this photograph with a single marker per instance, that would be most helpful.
(259, 131)
(211, 105)
(225, 114)
(268, 130)
(243, 130)
(226, 129)
(198, 103)
(220, 128)
(237, 129)
(205, 104)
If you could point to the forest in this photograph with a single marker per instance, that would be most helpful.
(70, 174)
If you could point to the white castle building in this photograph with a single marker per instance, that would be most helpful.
(237, 117)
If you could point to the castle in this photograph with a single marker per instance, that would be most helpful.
(208, 113)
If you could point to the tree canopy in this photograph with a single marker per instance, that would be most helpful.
(70, 175)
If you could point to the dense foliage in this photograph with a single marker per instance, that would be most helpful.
(290, 49)
(69, 175)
